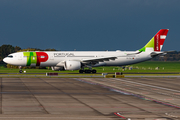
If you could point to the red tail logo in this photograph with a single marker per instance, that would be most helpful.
(159, 39)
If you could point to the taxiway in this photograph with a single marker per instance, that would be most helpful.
(90, 98)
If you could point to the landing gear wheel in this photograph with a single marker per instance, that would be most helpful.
(20, 71)
(81, 71)
(93, 71)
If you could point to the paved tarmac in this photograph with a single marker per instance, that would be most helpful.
(90, 98)
(87, 76)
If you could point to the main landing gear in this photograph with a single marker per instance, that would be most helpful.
(87, 71)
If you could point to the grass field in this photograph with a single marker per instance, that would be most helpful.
(144, 67)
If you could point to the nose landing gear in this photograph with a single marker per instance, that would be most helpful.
(20, 71)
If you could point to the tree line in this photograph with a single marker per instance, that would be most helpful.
(171, 56)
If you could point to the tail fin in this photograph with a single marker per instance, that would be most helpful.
(156, 43)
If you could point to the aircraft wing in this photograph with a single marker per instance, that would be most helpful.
(97, 59)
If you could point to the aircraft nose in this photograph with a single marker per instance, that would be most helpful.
(6, 60)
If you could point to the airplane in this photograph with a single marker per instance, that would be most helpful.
(78, 60)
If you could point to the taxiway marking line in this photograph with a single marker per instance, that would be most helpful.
(148, 85)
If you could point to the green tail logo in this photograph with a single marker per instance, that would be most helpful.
(156, 43)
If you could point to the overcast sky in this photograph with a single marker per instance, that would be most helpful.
(88, 24)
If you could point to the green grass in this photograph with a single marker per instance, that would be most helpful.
(144, 67)
(150, 66)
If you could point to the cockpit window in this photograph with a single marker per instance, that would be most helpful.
(10, 56)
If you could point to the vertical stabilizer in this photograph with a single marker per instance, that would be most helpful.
(156, 43)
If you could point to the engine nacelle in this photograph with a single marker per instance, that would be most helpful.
(55, 68)
(72, 65)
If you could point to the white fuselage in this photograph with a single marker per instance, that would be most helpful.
(56, 57)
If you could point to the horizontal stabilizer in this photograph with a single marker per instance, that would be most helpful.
(154, 54)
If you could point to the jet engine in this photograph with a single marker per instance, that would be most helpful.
(72, 65)
(56, 68)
